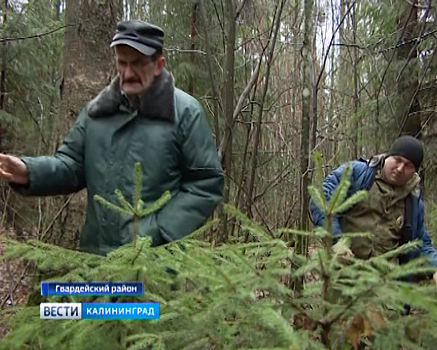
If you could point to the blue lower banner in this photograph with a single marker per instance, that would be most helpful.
(99, 311)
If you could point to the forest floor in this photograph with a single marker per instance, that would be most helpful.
(15, 280)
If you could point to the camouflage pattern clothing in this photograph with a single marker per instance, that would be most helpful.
(382, 214)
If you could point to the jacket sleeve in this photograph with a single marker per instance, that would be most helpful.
(201, 188)
(61, 173)
(330, 183)
(426, 248)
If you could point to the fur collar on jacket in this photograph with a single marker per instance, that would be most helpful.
(156, 103)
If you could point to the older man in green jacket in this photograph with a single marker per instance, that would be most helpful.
(139, 117)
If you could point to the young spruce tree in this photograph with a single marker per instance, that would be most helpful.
(232, 296)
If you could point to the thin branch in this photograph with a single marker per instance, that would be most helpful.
(36, 35)
(390, 61)
(249, 86)
(38, 126)
(416, 42)
(222, 26)
(417, 5)
(16, 212)
(210, 71)
(237, 14)
(369, 46)
(264, 222)
(7, 296)
(57, 215)
(322, 69)
(416, 91)
(258, 130)
(274, 183)
(242, 98)
(175, 49)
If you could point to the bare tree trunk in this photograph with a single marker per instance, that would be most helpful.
(229, 108)
(315, 89)
(88, 67)
(306, 117)
(274, 35)
(193, 34)
(9, 215)
(244, 161)
(343, 73)
(331, 148)
(211, 76)
(89, 64)
(408, 106)
(3, 72)
(356, 97)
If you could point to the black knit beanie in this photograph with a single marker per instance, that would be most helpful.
(408, 147)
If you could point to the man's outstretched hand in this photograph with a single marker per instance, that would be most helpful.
(12, 169)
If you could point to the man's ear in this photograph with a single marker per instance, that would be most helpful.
(159, 66)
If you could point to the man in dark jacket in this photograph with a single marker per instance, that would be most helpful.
(139, 117)
(390, 179)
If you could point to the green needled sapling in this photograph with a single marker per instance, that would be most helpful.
(136, 209)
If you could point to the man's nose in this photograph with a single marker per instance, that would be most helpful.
(129, 73)
(401, 167)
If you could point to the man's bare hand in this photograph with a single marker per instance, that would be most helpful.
(12, 169)
(434, 277)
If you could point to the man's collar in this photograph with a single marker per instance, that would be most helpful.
(132, 102)
(157, 102)
(409, 186)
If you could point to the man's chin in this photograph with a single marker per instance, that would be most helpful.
(132, 90)
(396, 181)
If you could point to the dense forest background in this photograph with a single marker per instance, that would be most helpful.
(278, 79)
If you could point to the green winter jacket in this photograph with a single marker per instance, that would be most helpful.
(168, 134)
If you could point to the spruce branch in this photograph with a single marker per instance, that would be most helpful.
(110, 205)
(142, 341)
(135, 210)
(351, 201)
(138, 252)
(317, 232)
(126, 205)
(317, 197)
(246, 222)
(333, 319)
(163, 200)
(340, 191)
(318, 162)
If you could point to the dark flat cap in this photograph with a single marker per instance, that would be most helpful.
(142, 36)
